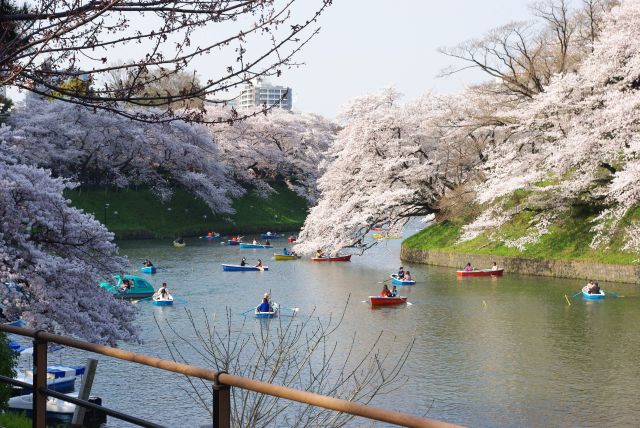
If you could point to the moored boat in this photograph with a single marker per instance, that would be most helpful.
(481, 272)
(594, 296)
(379, 236)
(139, 288)
(272, 314)
(58, 411)
(167, 300)
(247, 245)
(59, 378)
(387, 301)
(396, 281)
(278, 256)
(228, 267)
(148, 269)
(332, 259)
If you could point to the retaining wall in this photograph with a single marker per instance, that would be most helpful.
(554, 268)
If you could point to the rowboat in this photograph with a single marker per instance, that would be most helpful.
(233, 242)
(59, 378)
(179, 244)
(291, 239)
(285, 257)
(58, 410)
(232, 268)
(396, 281)
(148, 269)
(378, 236)
(594, 296)
(167, 300)
(480, 272)
(247, 245)
(332, 259)
(270, 235)
(272, 314)
(216, 236)
(140, 287)
(387, 301)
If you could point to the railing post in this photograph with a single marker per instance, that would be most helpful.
(221, 404)
(39, 381)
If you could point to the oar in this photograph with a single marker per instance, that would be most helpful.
(294, 310)
(179, 300)
(248, 310)
(612, 293)
(577, 294)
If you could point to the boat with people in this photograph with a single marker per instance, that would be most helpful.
(387, 301)
(291, 239)
(233, 268)
(210, 235)
(397, 281)
(59, 411)
(269, 314)
(248, 245)
(480, 272)
(270, 235)
(166, 300)
(129, 287)
(332, 259)
(148, 269)
(279, 256)
(179, 244)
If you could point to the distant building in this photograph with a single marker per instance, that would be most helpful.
(259, 92)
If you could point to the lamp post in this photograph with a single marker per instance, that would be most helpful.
(106, 207)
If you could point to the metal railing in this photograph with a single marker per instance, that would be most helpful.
(222, 383)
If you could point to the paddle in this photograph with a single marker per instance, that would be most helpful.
(577, 294)
(179, 300)
(612, 293)
(248, 310)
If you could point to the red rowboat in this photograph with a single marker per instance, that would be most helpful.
(480, 272)
(291, 239)
(332, 259)
(386, 301)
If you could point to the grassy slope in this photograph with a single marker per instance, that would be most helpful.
(569, 239)
(140, 214)
(13, 420)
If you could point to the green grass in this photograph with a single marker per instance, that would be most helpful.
(139, 214)
(568, 239)
(14, 420)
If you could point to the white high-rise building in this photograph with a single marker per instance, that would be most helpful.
(259, 92)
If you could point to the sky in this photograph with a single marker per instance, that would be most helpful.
(366, 45)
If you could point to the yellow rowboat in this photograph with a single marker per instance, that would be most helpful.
(378, 236)
(179, 245)
(287, 257)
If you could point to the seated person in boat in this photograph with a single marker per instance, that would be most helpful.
(179, 240)
(259, 265)
(265, 306)
(285, 252)
(495, 266)
(394, 292)
(407, 276)
(401, 273)
(468, 267)
(147, 263)
(209, 233)
(255, 242)
(126, 285)
(385, 291)
(243, 262)
(319, 254)
(163, 291)
(234, 238)
(595, 288)
(267, 242)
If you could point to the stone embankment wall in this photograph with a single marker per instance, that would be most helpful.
(554, 268)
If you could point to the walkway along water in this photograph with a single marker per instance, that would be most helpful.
(221, 390)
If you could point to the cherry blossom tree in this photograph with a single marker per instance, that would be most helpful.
(48, 42)
(276, 146)
(95, 148)
(52, 257)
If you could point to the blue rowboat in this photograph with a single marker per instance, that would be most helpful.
(232, 242)
(148, 269)
(163, 301)
(232, 268)
(595, 296)
(243, 245)
(272, 314)
(59, 378)
(396, 281)
(269, 235)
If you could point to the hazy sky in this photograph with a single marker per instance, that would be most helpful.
(365, 45)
